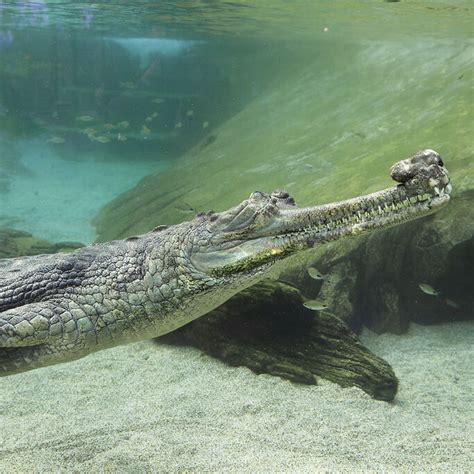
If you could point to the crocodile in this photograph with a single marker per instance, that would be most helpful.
(60, 307)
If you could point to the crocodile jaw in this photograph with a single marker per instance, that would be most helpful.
(378, 210)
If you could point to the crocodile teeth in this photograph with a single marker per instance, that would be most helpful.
(436, 190)
(449, 188)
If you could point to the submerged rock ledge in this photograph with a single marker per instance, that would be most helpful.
(327, 132)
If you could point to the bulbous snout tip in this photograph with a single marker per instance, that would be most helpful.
(405, 170)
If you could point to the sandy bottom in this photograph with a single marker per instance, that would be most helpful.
(145, 407)
(57, 199)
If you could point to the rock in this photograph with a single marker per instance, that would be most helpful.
(16, 243)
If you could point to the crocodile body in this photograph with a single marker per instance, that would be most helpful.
(56, 308)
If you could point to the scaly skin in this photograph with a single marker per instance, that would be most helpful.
(56, 308)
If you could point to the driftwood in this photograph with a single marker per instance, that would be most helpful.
(267, 329)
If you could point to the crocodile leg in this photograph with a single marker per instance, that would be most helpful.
(24, 335)
(26, 325)
(39, 334)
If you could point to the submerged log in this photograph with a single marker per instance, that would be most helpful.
(267, 329)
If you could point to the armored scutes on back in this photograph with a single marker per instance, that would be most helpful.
(56, 308)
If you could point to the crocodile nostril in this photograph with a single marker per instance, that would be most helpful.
(431, 156)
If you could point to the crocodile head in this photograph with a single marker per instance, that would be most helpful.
(265, 228)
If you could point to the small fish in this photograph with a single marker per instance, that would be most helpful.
(121, 137)
(55, 140)
(145, 130)
(428, 289)
(315, 274)
(205, 124)
(158, 100)
(102, 139)
(109, 126)
(88, 131)
(128, 85)
(451, 303)
(151, 117)
(123, 124)
(315, 305)
(85, 118)
(178, 125)
(189, 113)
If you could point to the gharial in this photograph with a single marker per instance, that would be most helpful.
(56, 308)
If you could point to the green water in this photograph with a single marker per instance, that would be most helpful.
(95, 96)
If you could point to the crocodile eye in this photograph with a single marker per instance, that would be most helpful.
(257, 196)
(280, 193)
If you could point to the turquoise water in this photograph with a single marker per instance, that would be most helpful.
(91, 103)
(116, 117)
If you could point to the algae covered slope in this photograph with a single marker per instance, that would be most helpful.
(329, 131)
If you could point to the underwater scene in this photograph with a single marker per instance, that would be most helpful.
(237, 236)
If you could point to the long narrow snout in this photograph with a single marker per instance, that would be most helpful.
(423, 188)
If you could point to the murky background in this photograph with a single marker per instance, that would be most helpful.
(116, 117)
(94, 97)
